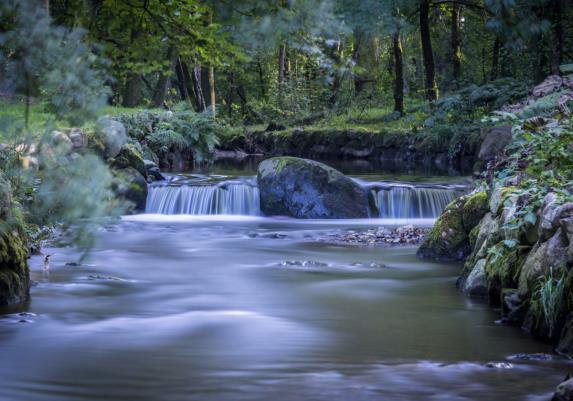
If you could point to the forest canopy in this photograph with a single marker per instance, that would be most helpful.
(260, 61)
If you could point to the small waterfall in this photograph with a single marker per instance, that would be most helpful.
(405, 202)
(226, 198)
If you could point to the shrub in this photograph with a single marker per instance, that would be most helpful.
(185, 131)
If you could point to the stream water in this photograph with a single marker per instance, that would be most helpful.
(230, 307)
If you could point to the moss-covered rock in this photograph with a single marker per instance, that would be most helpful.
(475, 285)
(449, 239)
(14, 273)
(306, 189)
(130, 157)
(502, 269)
(544, 256)
(131, 186)
(474, 208)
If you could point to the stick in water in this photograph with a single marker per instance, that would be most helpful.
(47, 262)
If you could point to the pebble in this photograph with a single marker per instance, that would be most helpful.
(407, 235)
(303, 263)
(499, 365)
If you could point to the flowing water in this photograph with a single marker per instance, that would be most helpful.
(219, 307)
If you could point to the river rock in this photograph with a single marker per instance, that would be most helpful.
(113, 135)
(78, 138)
(565, 346)
(449, 238)
(14, 272)
(494, 141)
(476, 283)
(130, 156)
(307, 189)
(564, 391)
(543, 256)
(131, 186)
(153, 172)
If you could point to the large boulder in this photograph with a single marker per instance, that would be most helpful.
(306, 189)
(14, 273)
(449, 239)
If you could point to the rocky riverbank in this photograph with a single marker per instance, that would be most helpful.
(406, 147)
(515, 233)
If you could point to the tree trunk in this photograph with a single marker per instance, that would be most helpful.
(356, 53)
(132, 94)
(456, 43)
(261, 79)
(182, 82)
(336, 80)
(281, 73)
(163, 81)
(230, 91)
(212, 94)
(495, 59)
(398, 74)
(557, 36)
(427, 52)
(198, 88)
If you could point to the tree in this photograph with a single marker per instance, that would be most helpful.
(427, 51)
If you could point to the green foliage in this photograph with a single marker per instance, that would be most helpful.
(54, 65)
(542, 155)
(183, 131)
(39, 59)
(547, 299)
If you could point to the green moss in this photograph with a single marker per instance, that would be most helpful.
(14, 274)
(474, 208)
(503, 266)
(130, 156)
(473, 235)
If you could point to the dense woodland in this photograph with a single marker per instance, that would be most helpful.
(256, 61)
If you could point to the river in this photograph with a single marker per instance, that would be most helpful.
(179, 307)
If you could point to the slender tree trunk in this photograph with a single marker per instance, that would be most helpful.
(243, 96)
(356, 54)
(189, 82)
(336, 81)
(230, 91)
(281, 73)
(163, 81)
(398, 74)
(132, 94)
(456, 43)
(557, 36)
(197, 85)
(427, 52)
(495, 59)
(212, 94)
(261, 79)
(182, 82)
